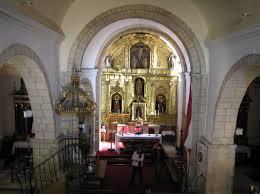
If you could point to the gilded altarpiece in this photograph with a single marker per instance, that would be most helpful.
(123, 75)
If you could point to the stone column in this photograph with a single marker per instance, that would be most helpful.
(94, 76)
(180, 98)
(220, 169)
(69, 125)
(44, 148)
(196, 94)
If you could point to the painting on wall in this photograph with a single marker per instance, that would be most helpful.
(140, 56)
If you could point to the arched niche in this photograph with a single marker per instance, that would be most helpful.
(116, 103)
(139, 87)
(160, 104)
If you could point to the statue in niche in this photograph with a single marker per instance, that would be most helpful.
(108, 61)
(160, 104)
(138, 113)
(172, 61)
(140, 56)
(116, 104)
(139, 87)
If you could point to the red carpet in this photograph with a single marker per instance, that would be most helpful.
(118, 176)
(107, 153)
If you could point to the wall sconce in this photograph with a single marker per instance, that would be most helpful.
(28, 3)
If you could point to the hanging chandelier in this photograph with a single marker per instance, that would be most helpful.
(74, 99)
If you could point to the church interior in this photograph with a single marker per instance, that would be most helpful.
(84, 85)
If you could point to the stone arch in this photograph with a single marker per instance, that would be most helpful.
(149, 12)
(232, 91)
(29, 66)
(197, 71)
(145, 30)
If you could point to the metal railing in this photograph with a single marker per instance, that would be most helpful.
(70, 160)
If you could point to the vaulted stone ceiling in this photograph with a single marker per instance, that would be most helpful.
(225, 16)
(222, 16)
(47, 12)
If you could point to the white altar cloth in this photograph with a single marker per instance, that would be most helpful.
(119, 138)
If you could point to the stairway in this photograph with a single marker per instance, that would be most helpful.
(58, 187)
(62, 172)
(6, 184)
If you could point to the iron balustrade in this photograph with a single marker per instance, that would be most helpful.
(69, 161)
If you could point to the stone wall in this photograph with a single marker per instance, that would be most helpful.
(42, 149)
(220, 169)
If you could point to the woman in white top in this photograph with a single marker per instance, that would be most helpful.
(137, 164)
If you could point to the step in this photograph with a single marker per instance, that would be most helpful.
(6, 183)
(57, 187)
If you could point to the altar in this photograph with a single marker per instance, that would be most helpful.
(141, 138)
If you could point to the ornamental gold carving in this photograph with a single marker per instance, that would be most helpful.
(148, 60)
(74, 99)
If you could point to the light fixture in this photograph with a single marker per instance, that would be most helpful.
(246, 13)
(28, 3)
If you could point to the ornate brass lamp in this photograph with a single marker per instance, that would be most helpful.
(75, 100)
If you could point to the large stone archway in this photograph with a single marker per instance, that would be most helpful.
(148, 12)
(221, 152)
(231, 94)
(29, 66)
(198, 71)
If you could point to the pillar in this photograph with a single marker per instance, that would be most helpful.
(220, 169)
(180, 98)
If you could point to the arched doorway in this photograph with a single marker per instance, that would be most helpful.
(26, 64)
(221, 172)
(86, 53)
(246, 139)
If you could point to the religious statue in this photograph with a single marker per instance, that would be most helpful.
(116, 103)
(172, 60)
(139, 87)
(108, 61)
(138, 112)
(161, 104)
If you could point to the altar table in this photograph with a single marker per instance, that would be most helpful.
(131, 136)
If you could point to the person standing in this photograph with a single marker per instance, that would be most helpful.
(137, 164)
(157, 157)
